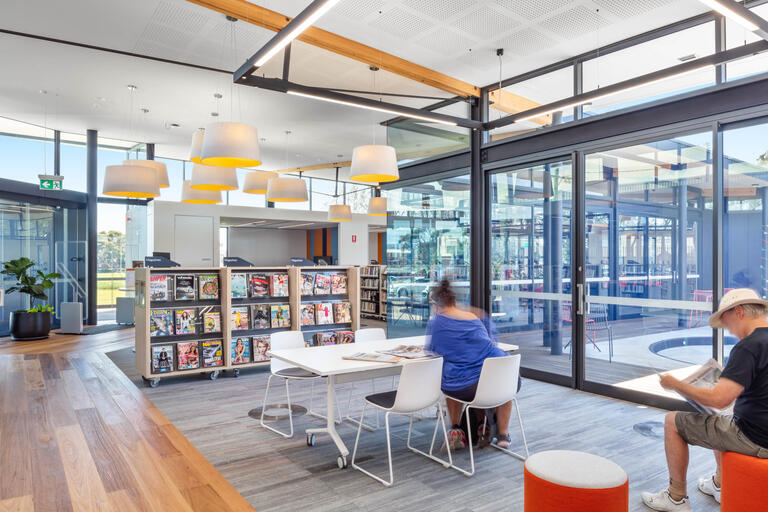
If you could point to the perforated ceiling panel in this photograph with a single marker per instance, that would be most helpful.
(532, 9)
(400, 23)
(441, 10)
(446, 42)
(358, 9)
(625, 9)
(574, 22)
(525, 42)
(180, 17)
(484, 21)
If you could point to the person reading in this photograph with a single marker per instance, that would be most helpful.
(745, 380)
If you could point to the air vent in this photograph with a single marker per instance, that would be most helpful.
(686, 58)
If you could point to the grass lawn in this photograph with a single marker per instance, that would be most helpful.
(107, 286)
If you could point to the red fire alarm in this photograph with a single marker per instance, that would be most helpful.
(354, 238)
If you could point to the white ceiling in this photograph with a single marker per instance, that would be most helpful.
(87, 88)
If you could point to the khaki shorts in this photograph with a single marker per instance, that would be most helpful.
(716, 433)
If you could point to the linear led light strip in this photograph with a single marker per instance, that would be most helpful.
(721, 7)
(369, 107)
(618, 91)
(296, 225)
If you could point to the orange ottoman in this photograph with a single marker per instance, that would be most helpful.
(574, 481)
(745, 483)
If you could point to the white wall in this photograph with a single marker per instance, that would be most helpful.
(267, 247)
(373, 246)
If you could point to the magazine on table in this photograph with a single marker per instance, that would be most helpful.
(409, 352)
(707, 377)
(372, 357)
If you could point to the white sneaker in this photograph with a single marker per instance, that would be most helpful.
(707, 486)
(663, 501)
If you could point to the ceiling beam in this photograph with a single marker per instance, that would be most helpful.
(271, 20)
(512, 103)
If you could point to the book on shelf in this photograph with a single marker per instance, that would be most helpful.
(323, 313)
(278, 285)
(185, 287)
(185, 321)
(241, 350)
(187, 355)
(239, 286)
(342, 313)
(261, 316)
(307, 284)
(259, 285)
(213, 355)
(211, 321)
(158, 287)
(307, 314)
(372, 357)
(321, 339)
(239, 318)
(338, 284)
(208, 284)
(162, 358)
(161, 322)
(281, 315)
(261, 346)
(409, 352)
(345, 337)
(322, 284)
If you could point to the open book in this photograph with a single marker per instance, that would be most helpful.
(409, 352)
(706, 377)
(372, 357)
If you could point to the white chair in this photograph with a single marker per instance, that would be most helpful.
(497, 386)
(283, 370)
(363, 336)
(419, 388)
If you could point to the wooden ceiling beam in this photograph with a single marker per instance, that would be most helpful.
(271, 20)
(512, 103)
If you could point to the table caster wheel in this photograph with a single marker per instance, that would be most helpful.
(310, 439)
(213, 375)
(341, 461)
(236, 372)
(152, 383)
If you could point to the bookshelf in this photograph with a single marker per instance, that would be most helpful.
(352, 296)
(245, 295)
(373, 291)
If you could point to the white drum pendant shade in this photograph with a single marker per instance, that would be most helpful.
(286, 190)
(256, 181)
(197, 146)
(374, 164)
(159, 167)
(231, 145)
(339, 212)
(194, 196)
(130, 181)
(377, 206)
(208, 177)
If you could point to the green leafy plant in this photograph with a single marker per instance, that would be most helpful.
(40, 308)
(34, 285)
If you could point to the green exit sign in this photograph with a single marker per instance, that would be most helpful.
(50, 182)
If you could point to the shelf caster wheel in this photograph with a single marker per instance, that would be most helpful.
(310, 439)
(214, 375)
(341, 461)
(236, 372)
(152, 383)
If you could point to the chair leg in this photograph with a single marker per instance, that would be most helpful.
(438, 420)
(290, 412)
(354, 421)
(522, 433)
(389, 451)
(471, 452)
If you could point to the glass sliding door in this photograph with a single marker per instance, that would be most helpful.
(530, 263)
(648, 261)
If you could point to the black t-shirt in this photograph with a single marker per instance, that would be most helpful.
(748, 366)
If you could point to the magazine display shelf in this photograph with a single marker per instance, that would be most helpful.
(373, 291)
(225, 303)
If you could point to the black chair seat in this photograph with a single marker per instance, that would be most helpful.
(384, 400)
(296, 373)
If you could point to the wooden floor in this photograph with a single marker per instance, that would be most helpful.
(76, 433)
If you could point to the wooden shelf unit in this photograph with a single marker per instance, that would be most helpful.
(374, 295)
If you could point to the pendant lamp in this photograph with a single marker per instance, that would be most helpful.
(159, 167)
(286, 190)
(209, 177)
(256, 181)
(339, 213)
(195, 196)
(230, 144)
(377, 206)
(374, 164)
(197, 146)
(130, 181)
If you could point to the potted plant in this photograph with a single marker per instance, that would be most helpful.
(34, 323)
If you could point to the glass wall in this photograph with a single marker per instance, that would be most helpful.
(23, 158)
(427, 240)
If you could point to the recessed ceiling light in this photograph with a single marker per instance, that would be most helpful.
(131, 87)
(214, 114)
(688, 57)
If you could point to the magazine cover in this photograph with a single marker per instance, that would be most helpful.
(323, 313)
(162, 358)
(208, 285)
(211, 321)
(212, 354)
(322, 284)
(239, 286)
(185, 287)
(261, 316)
(259, 285)
(338, 284)
(341, 312)
(307, 284)
(187, 356)
(281, 315)
(161, 322)
(345, 337)
(241, 350)
(260, 348)
(307, 314)
(185, 321)
(324, 338)
(158, 287)
(278, 285)
(240, 318)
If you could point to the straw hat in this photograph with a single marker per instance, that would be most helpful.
(732, 299)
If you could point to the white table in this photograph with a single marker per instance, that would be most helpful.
(327, 361)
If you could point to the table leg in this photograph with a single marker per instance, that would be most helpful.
(330, 427)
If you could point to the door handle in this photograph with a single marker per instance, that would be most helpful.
(580, 299)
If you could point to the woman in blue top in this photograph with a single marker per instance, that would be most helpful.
(465, 340)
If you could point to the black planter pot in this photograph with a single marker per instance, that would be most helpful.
(30, 326)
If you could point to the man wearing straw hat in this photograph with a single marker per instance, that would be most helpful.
(745, 380)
